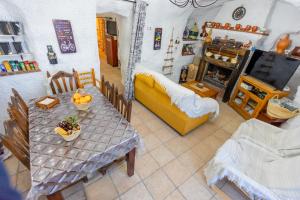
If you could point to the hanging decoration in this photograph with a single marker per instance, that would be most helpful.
(194, 3)
(167, 68)
(157, 38)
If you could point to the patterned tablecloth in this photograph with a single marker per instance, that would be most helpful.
(55, 163)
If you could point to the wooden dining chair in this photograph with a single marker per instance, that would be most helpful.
(19, 118)
(122, 105)
(86, 78)
(14, 141)
(14, 103)
(61, 76)
(20, 101)
(107, 90)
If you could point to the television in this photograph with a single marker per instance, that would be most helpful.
(111, 28)
(272, 68)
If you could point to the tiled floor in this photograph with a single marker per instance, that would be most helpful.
(168, 166)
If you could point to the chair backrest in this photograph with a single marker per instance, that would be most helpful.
(61, 75)
(86, 78)
(20, 100)
(16, 104)
(20, 119)
(123, 106)
(108, 90)
(15, 142)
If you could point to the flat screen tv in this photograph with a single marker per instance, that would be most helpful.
(271, 68)
(111, 28)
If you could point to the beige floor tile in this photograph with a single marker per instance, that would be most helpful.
(232, 126)
(175, 196)
(101, 189)
(165, 134)
(203, 151)
(192, 190)
(138, 192)
(191, 161)
(177, 172)
(121, 180)
(135, 120)
(202, 132)
(162, 155)
(151, 142)
(177, 145)
(199, 176)
(155, 124)
(13, 180)
(11, 164)
(143, 130)
(159, 185)
(222, 134)
(146, 165)
(24, 181)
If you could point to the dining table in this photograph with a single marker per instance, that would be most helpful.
(55, 164)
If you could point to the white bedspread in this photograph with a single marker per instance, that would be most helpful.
(186, 100)
(261, 159)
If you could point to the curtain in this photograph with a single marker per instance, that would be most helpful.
(136, 44)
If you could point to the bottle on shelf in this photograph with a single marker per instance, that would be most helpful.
(194, 32)
(3, 69)
(27, 66)
(7, 66)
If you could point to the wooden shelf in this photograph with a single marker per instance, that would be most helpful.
(192, 54)
(18, 72)
(190, 40)
(250, 96)
(14, 55)
(257, 33)
(221, 63)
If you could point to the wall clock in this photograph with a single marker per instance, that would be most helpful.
(239, 13)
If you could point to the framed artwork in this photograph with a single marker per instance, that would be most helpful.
(64, 34)
(157, 38)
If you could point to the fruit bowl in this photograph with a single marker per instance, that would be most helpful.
(81, 100)
(68, 129)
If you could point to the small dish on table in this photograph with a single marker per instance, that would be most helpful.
(68, 129)
(47, 102)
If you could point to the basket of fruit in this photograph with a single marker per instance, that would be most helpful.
(81, 100)
(68, 129)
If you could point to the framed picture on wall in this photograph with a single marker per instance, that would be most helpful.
(157, 38)
(64, 34)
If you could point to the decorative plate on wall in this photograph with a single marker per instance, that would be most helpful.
(239, 13)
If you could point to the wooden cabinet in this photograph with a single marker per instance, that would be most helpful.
(251, 96)
(112, 50)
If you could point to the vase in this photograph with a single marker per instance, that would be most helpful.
(283, 43)
(296, 52)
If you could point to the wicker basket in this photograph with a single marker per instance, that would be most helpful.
(274, 109)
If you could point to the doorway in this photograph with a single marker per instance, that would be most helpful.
(108, 46)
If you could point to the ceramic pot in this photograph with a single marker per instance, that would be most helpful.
(227, 26)
(248, 28)
(296, 52)
(238, 26)
(254, 28)
(283, 43)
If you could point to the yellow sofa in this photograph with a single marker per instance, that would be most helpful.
(154, 97)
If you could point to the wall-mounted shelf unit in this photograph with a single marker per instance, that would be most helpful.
(14, 55)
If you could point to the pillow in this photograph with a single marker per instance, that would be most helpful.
(148, 80)
(291, 123)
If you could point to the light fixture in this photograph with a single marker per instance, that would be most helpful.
(194, 3)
